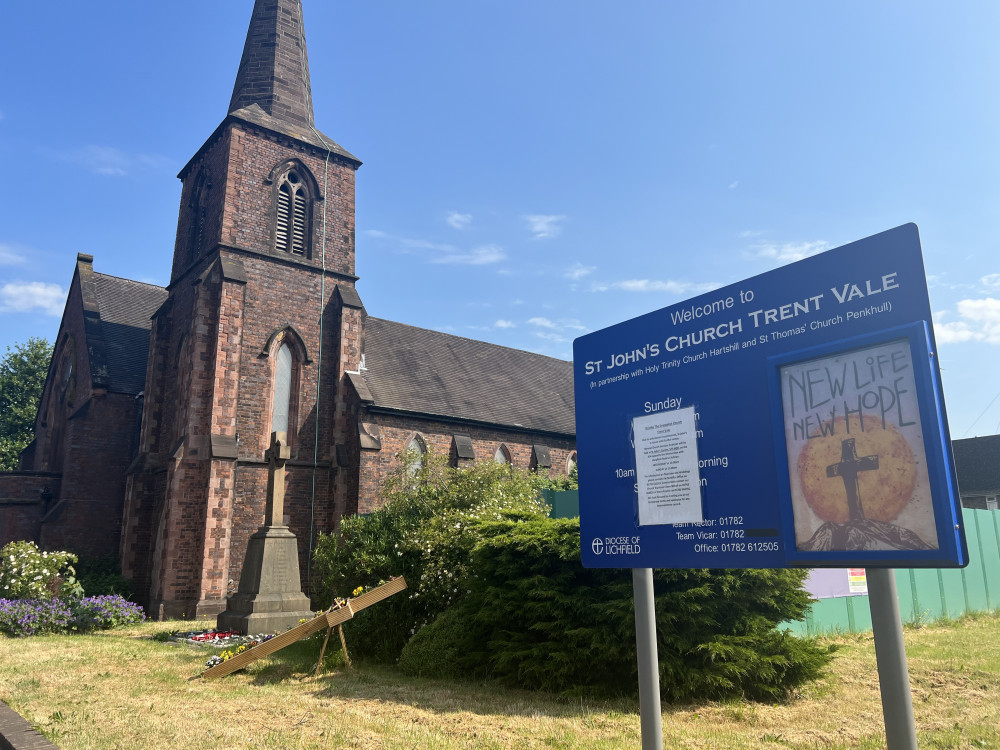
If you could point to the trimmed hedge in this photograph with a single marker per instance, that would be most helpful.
(535, 618)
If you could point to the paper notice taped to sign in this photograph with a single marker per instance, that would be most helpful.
(666, 461)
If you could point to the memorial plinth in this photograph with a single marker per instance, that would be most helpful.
(269, 598)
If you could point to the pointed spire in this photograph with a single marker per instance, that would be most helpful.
(274, 69)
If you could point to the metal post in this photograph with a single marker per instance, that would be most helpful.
(893, 676)
(650, 718)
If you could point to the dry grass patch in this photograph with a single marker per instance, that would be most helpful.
(123, 689)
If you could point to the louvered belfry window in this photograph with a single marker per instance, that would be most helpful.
(291, 226)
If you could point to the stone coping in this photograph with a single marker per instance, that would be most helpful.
(17, 734)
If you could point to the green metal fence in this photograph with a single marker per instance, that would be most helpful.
(925, 594)
(565, 504)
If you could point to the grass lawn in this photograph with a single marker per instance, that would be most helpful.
(125, 690)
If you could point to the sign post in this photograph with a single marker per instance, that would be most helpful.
(890, 654)
(794, 419)
(650, 718)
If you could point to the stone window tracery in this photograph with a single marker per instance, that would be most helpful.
(416, 451)
(291, 232)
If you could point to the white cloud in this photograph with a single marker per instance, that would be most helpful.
(25, 296)
(505, 324)
(479, 256)
(425, 245)
(11, 255)
(991, 281)
(563, 324)
(458, 221)
(749, 233)
(577, 271)
(789, 251)
(443, 252)
(934, 279)
(551, 336)
(734, 184)
(670, 286)
(980, 321)
(984, 313)
(111, 162)
(544, 226)
(953, 333)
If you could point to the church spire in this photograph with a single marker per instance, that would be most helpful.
(274, 69)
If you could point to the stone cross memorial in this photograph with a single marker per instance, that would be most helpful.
(277, 454)
(269, 598)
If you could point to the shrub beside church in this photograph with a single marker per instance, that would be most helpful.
(497, 591)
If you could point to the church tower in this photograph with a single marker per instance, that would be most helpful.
(261, 323)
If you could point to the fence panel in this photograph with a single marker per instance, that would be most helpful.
(926, 595)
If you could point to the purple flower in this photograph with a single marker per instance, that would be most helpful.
(25, 617)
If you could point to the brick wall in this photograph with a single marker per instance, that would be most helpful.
(396, 432)
(248, 220)
(25, 497)
(99, 444)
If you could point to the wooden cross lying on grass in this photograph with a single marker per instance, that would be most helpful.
(329, 619)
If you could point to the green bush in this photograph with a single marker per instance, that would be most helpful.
(535, 618)
(425, 532)
(101, 576)
(27, 572)
(436, 650)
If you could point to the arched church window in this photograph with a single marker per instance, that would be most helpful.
(571, 464)
(291, 231)
(286, 356)
(416, 454)
(281, 408)
(502, 456)
(198, 207)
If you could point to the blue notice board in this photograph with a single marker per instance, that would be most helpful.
(792, 419)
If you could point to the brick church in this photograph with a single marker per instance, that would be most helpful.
(159, 402)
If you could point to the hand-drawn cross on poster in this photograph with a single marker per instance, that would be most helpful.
(757, 389)
(848, 468)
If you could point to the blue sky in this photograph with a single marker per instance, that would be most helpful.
(535, 170)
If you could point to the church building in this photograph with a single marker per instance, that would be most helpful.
(160, 402)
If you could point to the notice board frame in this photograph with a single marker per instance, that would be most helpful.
(863, 288)
(950, 550)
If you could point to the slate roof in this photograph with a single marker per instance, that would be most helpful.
(126, 308)
(977, 462)
(427, 372)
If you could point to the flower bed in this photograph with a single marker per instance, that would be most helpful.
(234, 643)
(26, 617)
